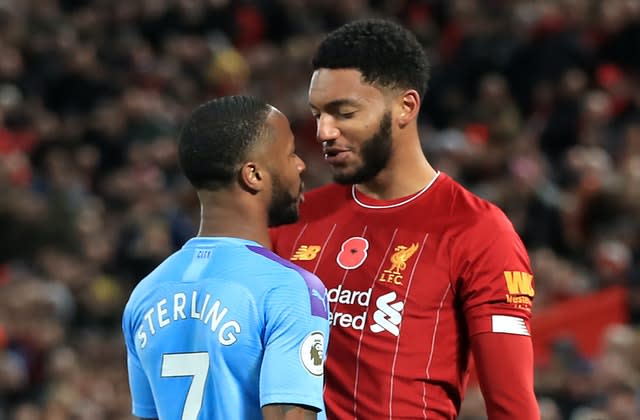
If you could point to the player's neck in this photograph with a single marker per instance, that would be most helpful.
(406, 173)
(233, 220)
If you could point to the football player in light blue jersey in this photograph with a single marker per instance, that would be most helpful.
(224, 328)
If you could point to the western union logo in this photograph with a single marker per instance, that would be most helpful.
(306, 253)
(519, 283)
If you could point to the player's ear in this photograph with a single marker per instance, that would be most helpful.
(252, 177)
(407, 106)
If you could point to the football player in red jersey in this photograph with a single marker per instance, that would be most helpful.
(420, 272)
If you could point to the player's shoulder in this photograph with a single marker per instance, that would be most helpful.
(271, 261)
(167, 270)
(283, 271)
(471, 210)
(292, 281)
(324, 200)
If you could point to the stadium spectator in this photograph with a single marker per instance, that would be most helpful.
(105, 166)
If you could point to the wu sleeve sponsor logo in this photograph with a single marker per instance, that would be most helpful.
(398, 260)
(388, 315)
(306, 253)
(520, 288)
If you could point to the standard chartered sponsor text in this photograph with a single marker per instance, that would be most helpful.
(351, 298)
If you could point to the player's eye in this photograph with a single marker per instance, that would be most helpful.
(347, 115)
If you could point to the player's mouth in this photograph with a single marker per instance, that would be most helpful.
(336, 155)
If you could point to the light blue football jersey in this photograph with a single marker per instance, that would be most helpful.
(221, 328)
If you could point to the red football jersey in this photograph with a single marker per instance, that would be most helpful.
(408, 281)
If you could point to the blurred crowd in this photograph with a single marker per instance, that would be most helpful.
(533, 104)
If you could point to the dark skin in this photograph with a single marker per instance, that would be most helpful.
(348, 111)
(241, 211)
(288, 412)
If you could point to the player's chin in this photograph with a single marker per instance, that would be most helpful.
(345, 176)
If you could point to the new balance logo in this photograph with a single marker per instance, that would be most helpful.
(388, 315)
(306, 253)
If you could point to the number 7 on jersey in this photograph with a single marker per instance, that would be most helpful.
(195, 365)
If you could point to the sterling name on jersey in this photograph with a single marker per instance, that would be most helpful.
(222, 328)
(408, 282)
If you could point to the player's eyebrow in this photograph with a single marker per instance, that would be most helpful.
(337, 103)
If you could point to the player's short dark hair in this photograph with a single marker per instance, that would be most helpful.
(384, 52)
(216, 138)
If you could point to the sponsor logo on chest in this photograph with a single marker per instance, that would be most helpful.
(351, 307)
(387, 314)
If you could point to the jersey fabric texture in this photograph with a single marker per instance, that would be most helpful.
(222, 328)
(409, 281)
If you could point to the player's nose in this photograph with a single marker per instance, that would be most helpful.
(300, 165)
(326, 128)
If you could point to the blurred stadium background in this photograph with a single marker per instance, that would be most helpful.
(533, 104)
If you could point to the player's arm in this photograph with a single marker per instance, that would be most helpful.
(504, 365)
(288, 412)
(142, 403)
(497, 292)
(295, 342)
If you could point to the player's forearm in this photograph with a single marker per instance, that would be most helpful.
(504, 364)
(288, 412)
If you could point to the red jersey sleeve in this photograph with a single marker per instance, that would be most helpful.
(504, 364)
(496, 290)
(495, 281)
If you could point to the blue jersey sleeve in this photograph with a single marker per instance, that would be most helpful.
(295, 339)
(142, 401)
